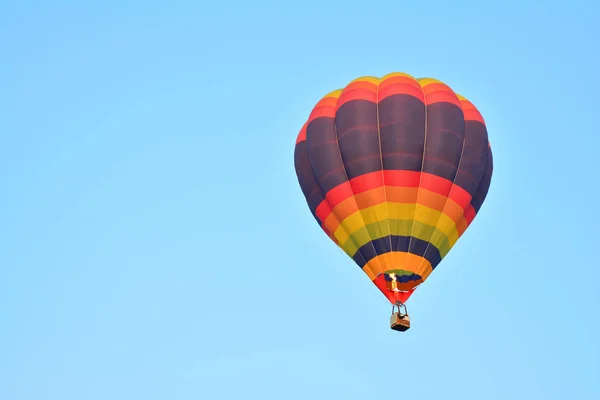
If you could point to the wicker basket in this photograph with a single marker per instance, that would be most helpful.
(400, 322)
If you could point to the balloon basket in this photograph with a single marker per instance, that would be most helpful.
(399, 321)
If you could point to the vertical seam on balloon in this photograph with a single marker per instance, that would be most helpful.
(412, 227)
(462, 152)
(337, 141)
(340, 226)
(387, 206)
(376, 225)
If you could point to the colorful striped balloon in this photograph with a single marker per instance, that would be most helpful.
(394, 170)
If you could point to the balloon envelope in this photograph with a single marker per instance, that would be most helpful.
(394, 170)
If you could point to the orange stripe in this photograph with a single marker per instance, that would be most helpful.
(400, 85)
(438, 92)
(325, 107)
(397, 259)
(347, 190)
(461, 226)
(443, 186)
(330, 234)
(340, 212)
(358, 90)
(466, 220)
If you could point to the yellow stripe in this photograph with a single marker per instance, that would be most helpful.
(391, 75)
(401, 215)
(372, 79)
(334, 94)
(399, 228)
(428, 81)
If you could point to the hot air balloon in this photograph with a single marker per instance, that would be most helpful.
(394, 170)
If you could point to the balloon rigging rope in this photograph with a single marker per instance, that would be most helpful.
(412, 227)
(384, 187)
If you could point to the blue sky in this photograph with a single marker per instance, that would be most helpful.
(155, 244)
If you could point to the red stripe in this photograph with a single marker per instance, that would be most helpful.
(401, 89)
(400, 85)
(323, 210)
(374, 180)
(367, 182)
(402, 178)
(322, 111)
(350, 94)
(439, 92)
(473, 115)
(327, 101)
(470, 214)
(460, 196)
(443, 96)
(302, 135)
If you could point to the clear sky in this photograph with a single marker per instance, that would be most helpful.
(155, 244)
